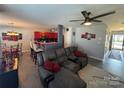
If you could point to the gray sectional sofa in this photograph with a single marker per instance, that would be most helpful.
(67, 77)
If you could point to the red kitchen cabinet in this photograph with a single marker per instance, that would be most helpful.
(49, 35)
(37, 35)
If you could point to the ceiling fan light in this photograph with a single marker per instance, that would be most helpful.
(87, 23)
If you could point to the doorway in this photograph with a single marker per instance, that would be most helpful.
(68, 37)
(117, 46)
(117, 42)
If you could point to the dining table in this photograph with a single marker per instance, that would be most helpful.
(8, 71)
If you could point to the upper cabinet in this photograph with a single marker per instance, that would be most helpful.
(46, 36)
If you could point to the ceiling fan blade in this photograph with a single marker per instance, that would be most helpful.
(96, 20)
(105, 14)
(75, 20)
(85, 14)
(82, 23)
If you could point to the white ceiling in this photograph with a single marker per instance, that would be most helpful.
(47, 15)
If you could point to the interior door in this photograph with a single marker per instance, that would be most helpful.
(67, 38)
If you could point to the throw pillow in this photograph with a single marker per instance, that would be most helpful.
(79, 54)
(48, 65)
(56, 67)
(51, 66)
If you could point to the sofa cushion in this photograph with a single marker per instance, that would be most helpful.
(51, 66)
(67, 51)
(72, 49)
(45, 76)
(60, 52)
(62, 59)
(72, 58)
(50, 54)
(71, 66)
(44, 73)
(66, 79)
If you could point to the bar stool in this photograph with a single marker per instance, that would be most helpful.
(20, 48)
(36, 50)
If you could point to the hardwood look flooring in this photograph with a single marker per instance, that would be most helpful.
(28, 73)
(111, 65)
(29, 76)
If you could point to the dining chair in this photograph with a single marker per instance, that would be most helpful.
(3, 45)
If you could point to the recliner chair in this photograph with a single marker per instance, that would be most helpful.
(62, 58)
(79, 60)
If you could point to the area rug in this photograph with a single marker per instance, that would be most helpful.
(115, 54)
(99, 78)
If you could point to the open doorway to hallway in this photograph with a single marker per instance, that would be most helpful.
(117, 41)
(116, 47)
(114, 57)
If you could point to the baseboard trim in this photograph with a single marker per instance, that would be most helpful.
(96, 58)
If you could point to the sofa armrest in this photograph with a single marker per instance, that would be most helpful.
(45, 76)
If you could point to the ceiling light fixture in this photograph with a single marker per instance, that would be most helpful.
(12, 33)
(87, 23)
(121, 28)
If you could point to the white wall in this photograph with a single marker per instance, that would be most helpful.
(94, 47)
(27, 35)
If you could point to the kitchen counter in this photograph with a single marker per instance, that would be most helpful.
(49, 45)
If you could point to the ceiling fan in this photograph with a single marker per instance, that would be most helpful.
(88, 20)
